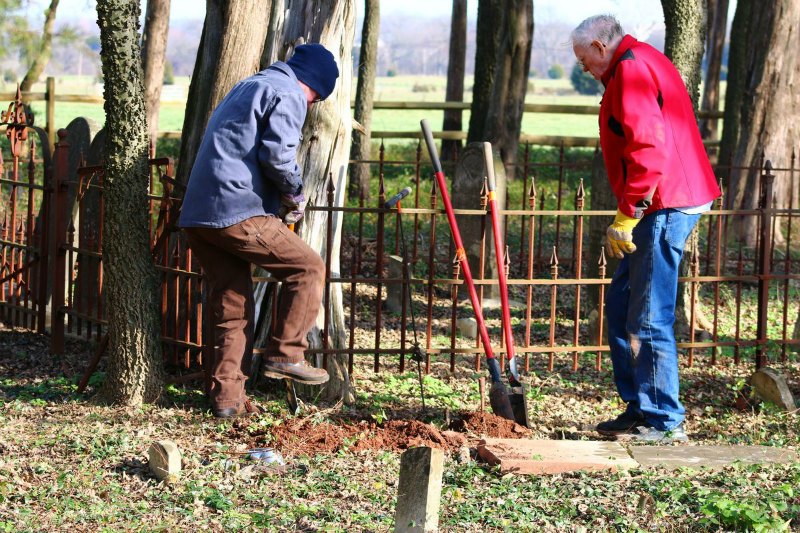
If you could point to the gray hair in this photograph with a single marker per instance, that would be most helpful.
(604, 28)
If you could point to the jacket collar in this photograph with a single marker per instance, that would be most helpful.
(625, 44)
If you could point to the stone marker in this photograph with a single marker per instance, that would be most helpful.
(771, 387)
(710, 457)
(165, 459)
(525, 456)
(419, 490)
(394, 290)
(468, 327)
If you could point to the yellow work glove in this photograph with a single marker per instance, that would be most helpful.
(619, 235)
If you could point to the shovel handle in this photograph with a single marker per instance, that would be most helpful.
(499, 254)
(461, 255)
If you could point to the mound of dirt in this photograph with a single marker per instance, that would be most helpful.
(304, 436)
(489, 425)
(308, 436)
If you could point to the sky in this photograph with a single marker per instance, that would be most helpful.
(629, 12)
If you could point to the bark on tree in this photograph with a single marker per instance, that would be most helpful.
(769, 109)
(686, 23)
(154, 54)
(456, 66)
(685, 37)
(503, 56)
(134, 372)
(365, 90)
(45, 48)
(715, 42)
(323, 155)
(734, 91)
(226, 55)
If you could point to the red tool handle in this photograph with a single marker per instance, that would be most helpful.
(461, 255)
(499, 256)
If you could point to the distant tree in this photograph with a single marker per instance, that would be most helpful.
(583, 82)
(715, 42)
(154, 54)
(365, 91)
(134, 372)
(15, 35)
(502, 57)
(555, 72)
(456, 65)
(42, 56)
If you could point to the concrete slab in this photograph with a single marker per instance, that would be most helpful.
(532, 457)
(710, 457)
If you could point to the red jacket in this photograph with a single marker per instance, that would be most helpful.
(652, 148)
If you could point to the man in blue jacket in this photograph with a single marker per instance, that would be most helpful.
(244, 188)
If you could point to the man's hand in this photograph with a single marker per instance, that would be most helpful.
(619, 235)
(292, 207)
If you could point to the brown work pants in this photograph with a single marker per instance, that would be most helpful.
(226, 255)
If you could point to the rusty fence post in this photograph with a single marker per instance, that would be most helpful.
(764, 263)
(59, 252)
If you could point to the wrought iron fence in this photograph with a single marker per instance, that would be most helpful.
(50, 218)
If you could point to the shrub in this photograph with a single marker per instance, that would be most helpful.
(583, 82)
(169, 73)
(423, 88)
(555, 72)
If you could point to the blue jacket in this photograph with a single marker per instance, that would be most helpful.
(247, 158)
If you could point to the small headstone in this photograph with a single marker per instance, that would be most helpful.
(771, 387)
(394, 290)
(165, 459)
(419, 491)
(468, 327)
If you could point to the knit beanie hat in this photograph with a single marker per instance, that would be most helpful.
(314, 65)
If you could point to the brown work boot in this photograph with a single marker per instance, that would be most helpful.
(300, 372)
(246, 408)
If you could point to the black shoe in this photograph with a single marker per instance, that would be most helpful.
(300, 372)
(624, 423)
(245, 408)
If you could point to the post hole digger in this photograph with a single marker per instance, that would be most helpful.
(506, 404)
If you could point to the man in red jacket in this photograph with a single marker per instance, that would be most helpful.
(662, 179)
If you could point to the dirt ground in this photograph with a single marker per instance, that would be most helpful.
(307, 436)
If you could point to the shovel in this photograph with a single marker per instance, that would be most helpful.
(498, 395)
(516, 396)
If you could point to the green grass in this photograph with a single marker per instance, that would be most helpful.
(398, 88)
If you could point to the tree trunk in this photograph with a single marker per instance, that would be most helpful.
(154, 53)
(43, 56)
(717, 29)
(685, 37)
(769, 109)
(323, 155)
(227, 54)
(456, 66)
(365, 90)
(134, 372)
(506, 34)
(686, 25)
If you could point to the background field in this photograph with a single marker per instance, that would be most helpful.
(394, 89)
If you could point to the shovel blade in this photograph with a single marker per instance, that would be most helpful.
(499, 400)
(519, 407)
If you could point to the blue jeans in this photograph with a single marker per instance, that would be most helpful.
(640, 308)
